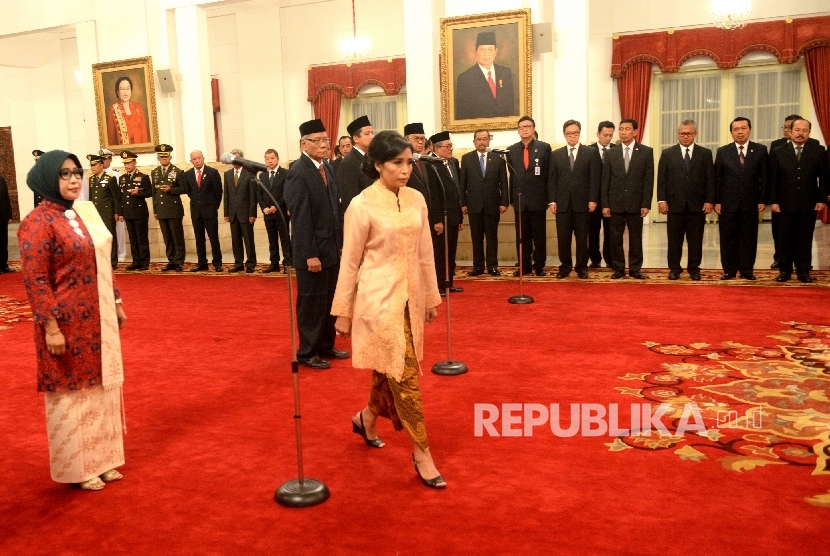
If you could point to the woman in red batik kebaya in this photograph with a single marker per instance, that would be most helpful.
(65, 251)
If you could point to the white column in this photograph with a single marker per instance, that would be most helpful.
(422, 41)
(86, 35)
(194, 68)
(570, 88)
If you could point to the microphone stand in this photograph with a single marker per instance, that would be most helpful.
(300, 492)
(520, 299)
(448, 367)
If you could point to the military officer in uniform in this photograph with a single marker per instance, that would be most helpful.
(106, 196)
(36, 153)
(167, 206)
(135, 187)
(120, 230)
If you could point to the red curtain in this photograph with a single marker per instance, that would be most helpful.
(327, 108)
(634, 86)
(817, 64)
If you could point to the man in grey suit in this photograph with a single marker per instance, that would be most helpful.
(484, 198)
(240, 211)
(686, 193)
(627, 189)
(350, 177)
(575, 177)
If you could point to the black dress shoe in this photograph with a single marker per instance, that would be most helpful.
(727, 276)
(540, 272)
(695, 276)
(638, 275)
(179, 268)
(236, 268)
(456, 289)
(617, 275)
(314, 362)
(7, 268)
(476, 272)
(524, 272)
(219, 269)
(583, 274)
(143, 268)
(774, 264)
(199, 268)
(674, 275)
(594, 265)
(271, 268)
(442, 293)
(168, 266)
(133, 267)
(494, 272)
(748, 276)
(562, 274)
(250, 270)
(336, 354)
(805, 278)
(782, 277)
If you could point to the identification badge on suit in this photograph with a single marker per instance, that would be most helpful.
(537, 171)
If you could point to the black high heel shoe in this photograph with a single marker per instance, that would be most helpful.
(435, 482)
(361, 430)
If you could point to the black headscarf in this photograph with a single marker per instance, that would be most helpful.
(44, 177)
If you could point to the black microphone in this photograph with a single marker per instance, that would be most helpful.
(250, 164)
(428, 158)
(497, 151)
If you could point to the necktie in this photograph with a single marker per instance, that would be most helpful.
(491, 83)
(798, 154)
(481, 163)
(447, 166)
(236, 178)
(271, 179)
(687, 159)
(627, 158)
(323, 174)
(741, 155)
(571, 158)
(603, 153)
(526, 158)
(199, 178)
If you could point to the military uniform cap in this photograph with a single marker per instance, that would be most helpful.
(128, 156)
(416, 127)
(312, 126)
(93, 158)
(163, 149)
(486, 37)
(105, 153)
(440, 136)
(354, 127)
(37, 153)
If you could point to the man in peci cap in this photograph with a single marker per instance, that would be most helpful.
(350, 177)
(486, 89)
(135, 187)
(106, 196)
(312, 198)
(421, 181)
(167, 206)
(120, 231)
(449, 173)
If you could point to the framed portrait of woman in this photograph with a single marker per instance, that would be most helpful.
(125, 101)
(486, 62)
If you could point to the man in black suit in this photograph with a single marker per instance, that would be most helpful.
(686, 194)
(106, 196)
(135, 187)
(627, 188)
(345, 145)
(530, 171)
(484, 198)
(798, 188)
(574, 182)
(203, 185)
(317, 224)
(449, 172)
(781, 141)
(350, 177)
(240, 211)
(596, 221)
(486, 89)
(421, 180)
(5, 217)
(740, 194)
(274, 181)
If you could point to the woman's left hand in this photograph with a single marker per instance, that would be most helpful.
(121, 315)
(431, 314)
(343, 327)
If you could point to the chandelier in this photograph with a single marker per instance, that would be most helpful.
(731, 14)
(354, 49)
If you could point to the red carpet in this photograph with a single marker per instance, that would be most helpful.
(211, 436)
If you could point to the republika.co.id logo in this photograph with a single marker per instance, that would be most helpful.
(593, 419)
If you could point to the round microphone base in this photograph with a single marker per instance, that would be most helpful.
(449, 368)
(292, 494)
(520, 300)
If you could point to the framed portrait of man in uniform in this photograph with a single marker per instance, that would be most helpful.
(125, 101)
(486, 64)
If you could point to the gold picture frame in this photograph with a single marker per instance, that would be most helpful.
(465, 104)
(118, 130)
